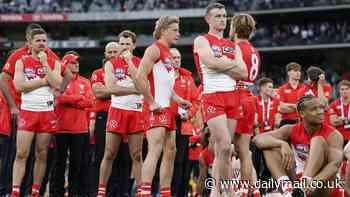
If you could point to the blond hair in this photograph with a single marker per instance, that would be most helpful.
(243, 25)
(163, 23)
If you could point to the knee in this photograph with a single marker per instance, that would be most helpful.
(22, 154)
(110, 154)
(136, 155)
(224, 148)
(41, 154)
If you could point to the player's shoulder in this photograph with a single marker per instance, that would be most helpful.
(328, 86)
(153, 48)
(20, 51)
(97, 71)
(335, 103)
(136, 59)
(283, 86)
(200, 39)
(84, 79)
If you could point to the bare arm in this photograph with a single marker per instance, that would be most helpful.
(287, 107)
(112, 87)
(206, 55)
(273, 139)
(54, 76)
(320, 90)
(241, 71)
(26, 86)
(100, 91)
(151, 55)
(5, 90)
(335, 157)
(278, 119)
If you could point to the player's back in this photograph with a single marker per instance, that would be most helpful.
(251, 58)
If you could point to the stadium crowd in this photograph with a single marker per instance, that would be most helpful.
(67, 6)
(266, 35)
(144, 122)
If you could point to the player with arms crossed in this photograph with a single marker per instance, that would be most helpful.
(219, 63)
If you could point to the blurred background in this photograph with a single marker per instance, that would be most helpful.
(311, 32)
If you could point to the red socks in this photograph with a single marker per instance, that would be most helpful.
(101, 190)
(138, 190)
(165, 192)
(15, 191)
(145, 190)
(35, 190)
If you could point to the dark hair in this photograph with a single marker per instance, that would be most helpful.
(344, 83)
(36, 32)
(213, 6)
(293, 66)
(127, 34)
(32, 26)
(314, 72)
(301, 102)
(264, 80)
(72, 52)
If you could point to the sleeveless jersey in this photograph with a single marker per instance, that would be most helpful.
(40, 99)
(162, 77)
(251, 58)
(212, 80)
(122, 78)
(301, 143)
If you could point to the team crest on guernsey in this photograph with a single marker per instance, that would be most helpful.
(216, 50)
(119, 74)
(168, 64)
(29, 73)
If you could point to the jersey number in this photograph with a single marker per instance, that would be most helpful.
(255, 67)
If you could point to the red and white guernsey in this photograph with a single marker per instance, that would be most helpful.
(122, 78)
(252, 59)
(162, 77)
(40, 99)
(301, 143)
(212, 80)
